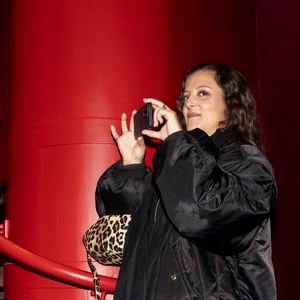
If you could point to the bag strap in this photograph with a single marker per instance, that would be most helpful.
(95, 277)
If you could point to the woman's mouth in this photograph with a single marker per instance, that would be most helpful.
(192, 115)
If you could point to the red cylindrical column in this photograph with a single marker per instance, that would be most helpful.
(77, 65)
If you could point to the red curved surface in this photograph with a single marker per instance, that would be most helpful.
(57, 271)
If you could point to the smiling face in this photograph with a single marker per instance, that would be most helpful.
(204, 106)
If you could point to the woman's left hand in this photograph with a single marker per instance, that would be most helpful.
(163, 116)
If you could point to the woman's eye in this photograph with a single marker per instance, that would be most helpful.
(185, 97)
(202, 93)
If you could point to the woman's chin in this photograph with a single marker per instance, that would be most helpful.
(206, 130)
(190, 127)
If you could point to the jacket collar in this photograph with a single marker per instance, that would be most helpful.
(215, 141)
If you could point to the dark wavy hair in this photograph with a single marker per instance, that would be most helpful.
(241, 119)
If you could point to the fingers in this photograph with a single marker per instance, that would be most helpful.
(124, 123)
(152, 134)
(155, 103)
(160, 110)
(160, 116)
(161, 113)
(114, 132)
(124, 128)
(131, 124)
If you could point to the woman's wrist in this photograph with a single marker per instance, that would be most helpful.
(131, 162)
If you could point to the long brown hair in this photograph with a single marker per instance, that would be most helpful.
(242, 123)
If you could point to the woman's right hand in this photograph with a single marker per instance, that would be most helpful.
(132, 151)
(163, 116)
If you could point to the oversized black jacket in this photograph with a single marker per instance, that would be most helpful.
(201, 221)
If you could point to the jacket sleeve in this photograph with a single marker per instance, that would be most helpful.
(120, 189)
(220, 204)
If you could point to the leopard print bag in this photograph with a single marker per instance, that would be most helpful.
(104, 242)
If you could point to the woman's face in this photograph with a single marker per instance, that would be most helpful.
(204, 105)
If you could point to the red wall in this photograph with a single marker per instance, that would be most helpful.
(76, 66)
(279, 44)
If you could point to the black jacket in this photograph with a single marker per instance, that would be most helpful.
(201, 221)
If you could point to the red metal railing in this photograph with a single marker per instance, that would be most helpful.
(60, 272)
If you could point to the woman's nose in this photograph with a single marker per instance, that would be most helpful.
(190, 102)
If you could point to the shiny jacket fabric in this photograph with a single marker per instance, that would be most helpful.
(201, 221)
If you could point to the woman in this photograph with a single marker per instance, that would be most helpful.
(201, 220)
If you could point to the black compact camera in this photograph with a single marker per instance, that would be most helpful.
(143, 119)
